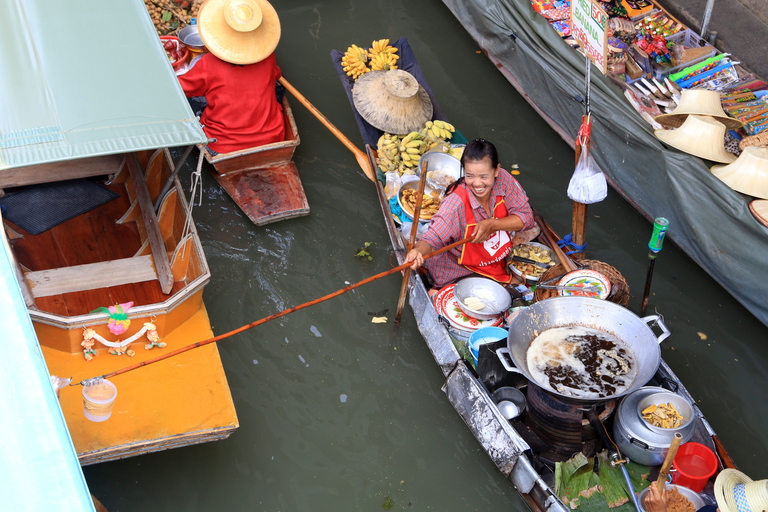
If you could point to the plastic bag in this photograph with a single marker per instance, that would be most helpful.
(588, 183)
(392, 184)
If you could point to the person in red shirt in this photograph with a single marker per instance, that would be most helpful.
(487, 203)
(238, 76)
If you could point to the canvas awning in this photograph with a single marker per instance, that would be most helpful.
(84, 78)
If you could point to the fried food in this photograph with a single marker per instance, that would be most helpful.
(474, 303)
(676, 502)
(429, 204)
(662, 415)
(533, 253)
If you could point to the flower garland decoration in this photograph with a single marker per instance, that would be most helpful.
(118, 324)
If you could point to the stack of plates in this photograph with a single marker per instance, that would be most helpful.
(459, 323)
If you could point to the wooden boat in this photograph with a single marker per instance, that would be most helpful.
(524, 455)
(123, 252)
(264, 180)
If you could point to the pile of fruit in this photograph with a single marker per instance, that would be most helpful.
(381, 56)
(402, 153)
(171, 15)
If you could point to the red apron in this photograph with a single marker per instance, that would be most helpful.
(488, 258)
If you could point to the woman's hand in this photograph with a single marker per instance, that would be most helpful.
(484, 229)
(415, 256)
(655, 500)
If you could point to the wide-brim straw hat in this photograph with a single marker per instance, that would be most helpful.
(759, 208)
(748, 174)
(698, 101)
(736, 492)
(702, 136)
(239, 31)
(392, 101)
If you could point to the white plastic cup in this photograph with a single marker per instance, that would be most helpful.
(98, 399)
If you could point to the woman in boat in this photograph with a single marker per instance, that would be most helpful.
(487, 203)
(238, 75)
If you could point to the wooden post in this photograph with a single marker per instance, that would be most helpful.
(579, 217)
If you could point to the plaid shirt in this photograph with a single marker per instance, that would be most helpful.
(449, 223)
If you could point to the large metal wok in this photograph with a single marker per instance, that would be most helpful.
(595, 313)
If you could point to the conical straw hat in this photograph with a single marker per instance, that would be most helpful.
(748, 174)
(239, 31)
(698, 101)
(759, 208)
(701, 136)
(392, 101)
(736, 492)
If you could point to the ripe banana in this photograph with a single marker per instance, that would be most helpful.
(354, 62)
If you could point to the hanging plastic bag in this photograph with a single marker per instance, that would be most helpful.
(588, 183)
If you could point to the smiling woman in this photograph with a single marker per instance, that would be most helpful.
(487, 203)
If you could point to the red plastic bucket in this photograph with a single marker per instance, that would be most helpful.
(694, 464)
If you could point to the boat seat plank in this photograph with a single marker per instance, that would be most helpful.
(60, 171)
(91, 276)
(267, 195)
(154, 236)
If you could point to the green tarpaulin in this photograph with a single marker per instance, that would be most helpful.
(708, 220)
(83, 78)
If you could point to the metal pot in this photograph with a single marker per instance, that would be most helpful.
(634, 437)
(598, 314)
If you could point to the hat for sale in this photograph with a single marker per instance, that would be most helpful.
(698, 101)
(736, 492)
(239, 31)
(748, 174)
(702, 136)
(392, 101)
(759, 208)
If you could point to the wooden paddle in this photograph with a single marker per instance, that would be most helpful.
(662, 479)
(551, 241)
(362, 160)
(411, 242)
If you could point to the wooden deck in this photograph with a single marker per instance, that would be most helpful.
(88, 238)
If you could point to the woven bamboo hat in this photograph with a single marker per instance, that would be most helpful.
(698, 101)
(736, 492)
(239, 31)
(759, 208)
(748, 174)
(702, 136)
(392, 101)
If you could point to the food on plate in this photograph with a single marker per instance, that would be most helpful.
(533, 253)
(662, 415)
(474, 303)
(429, 204)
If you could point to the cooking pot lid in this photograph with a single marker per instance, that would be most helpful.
(447, 306)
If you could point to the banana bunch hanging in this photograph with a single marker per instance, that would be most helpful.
(355, 61)
(383, 55)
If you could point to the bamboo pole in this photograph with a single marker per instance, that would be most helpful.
(273, 316)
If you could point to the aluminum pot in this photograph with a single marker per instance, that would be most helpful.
(634, 436)
(598, 314)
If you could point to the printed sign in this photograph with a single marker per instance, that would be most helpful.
(588, 26)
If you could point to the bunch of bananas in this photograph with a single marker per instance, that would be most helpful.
(355, 61)
(438, 130)
(402, 154)
(383, 55)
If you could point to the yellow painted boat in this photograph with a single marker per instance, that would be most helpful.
(117, 253)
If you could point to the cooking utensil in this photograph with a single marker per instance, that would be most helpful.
(531, 262)
(510, 400)
(662, 479)
(598, 314)
(495, 297)
(570, 288)
(691, 496)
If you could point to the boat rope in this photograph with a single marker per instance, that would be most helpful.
(567, 240)
(273, 316)
(195, 186)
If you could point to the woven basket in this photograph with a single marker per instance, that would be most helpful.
(619, 288)
(760, 140)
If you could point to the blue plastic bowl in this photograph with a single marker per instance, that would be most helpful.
(482, 336)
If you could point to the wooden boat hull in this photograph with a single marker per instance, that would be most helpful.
(263, 181)
(114, 254)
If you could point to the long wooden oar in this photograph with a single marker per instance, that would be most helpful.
(270, 317)
(411, 242)
(362, 160)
